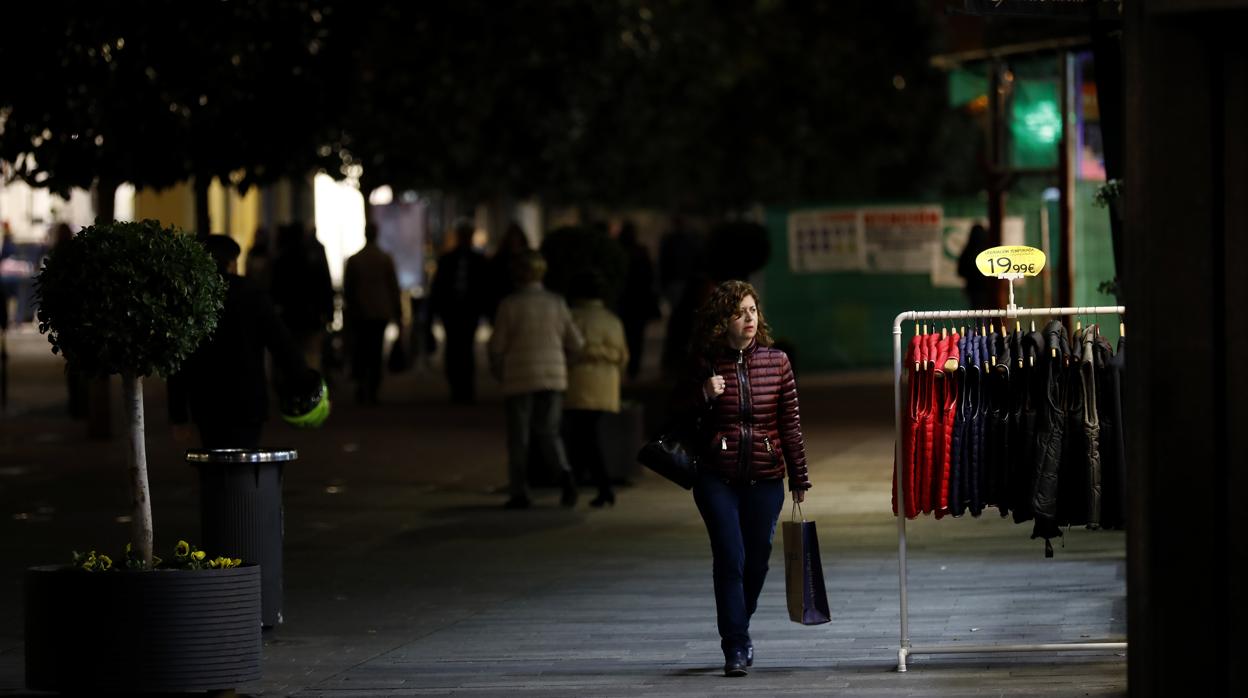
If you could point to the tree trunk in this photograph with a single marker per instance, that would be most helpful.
(99, 389)
(105, 200)
(203, 221)
(141, 525)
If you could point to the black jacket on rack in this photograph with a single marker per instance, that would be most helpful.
(959, 439)
(975, 471)
(1079, 480)
(1109, 374)
(1050, 434)
(1031, 386)
(997, 461)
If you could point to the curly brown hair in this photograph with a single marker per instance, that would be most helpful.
(711, 326)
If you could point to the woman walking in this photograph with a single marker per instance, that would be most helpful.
(593, 380)
(743, 391)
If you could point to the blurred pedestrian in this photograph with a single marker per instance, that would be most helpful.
(680, 259)
(371, 301)
(593, 379)
(223, 386)
(980, 293)
(76, 383)
(302, 290)
(459, 297)
(533, 337)
(639, 302)
(513, 245)
(679, 335)
(8, 248)
(259, 260)
(744, 392)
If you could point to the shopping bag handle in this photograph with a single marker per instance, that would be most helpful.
(797, 511)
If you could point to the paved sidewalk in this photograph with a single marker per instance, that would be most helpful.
(404, 577)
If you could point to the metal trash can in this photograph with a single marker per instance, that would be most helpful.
(241, 515)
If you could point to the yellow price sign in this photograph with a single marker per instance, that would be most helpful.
(1012, 261)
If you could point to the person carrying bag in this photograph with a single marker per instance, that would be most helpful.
(750, 439)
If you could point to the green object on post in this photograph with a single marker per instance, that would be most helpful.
(1035, 124)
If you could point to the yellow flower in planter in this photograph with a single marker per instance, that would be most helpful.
(186, 557)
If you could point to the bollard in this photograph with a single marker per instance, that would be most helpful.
(240, 513)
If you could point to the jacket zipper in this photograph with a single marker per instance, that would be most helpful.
(743, 396)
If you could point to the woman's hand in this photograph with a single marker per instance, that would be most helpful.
(799, 496)
(713, 387)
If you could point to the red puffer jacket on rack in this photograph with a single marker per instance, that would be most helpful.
(946, 407)
(911, 435)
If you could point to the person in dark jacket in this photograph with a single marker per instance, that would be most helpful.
(371, 301)
(301, 289)
(743, 391)
(223, 387)
(639, 303)
(459, 298)
(980, 292)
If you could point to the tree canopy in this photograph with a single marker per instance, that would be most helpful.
(685, 103)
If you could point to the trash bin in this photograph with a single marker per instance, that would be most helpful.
(240, 513)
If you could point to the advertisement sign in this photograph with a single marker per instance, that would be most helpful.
(826, 240)
(900, 239)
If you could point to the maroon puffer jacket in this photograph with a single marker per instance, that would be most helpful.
(758, 408)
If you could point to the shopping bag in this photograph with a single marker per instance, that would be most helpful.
(803, 572)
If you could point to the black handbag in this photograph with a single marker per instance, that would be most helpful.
(673, 454)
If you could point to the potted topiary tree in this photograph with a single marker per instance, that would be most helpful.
(136, 299)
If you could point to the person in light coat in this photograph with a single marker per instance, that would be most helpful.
(533, 336)
(593, 380)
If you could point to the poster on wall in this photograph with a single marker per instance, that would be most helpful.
(900, 239)
(953, 236)
(822, 240)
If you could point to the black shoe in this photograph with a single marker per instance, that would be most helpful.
(603, 499)
(735, 663)
(517, 503)
(749, 654)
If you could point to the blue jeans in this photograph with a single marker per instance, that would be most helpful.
(741, 522)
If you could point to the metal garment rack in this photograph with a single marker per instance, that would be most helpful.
(906, 649)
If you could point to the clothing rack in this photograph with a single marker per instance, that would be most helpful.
(906, 649)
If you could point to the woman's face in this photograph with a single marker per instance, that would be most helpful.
(744, 324)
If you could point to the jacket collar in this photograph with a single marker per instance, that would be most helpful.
(748, 350)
